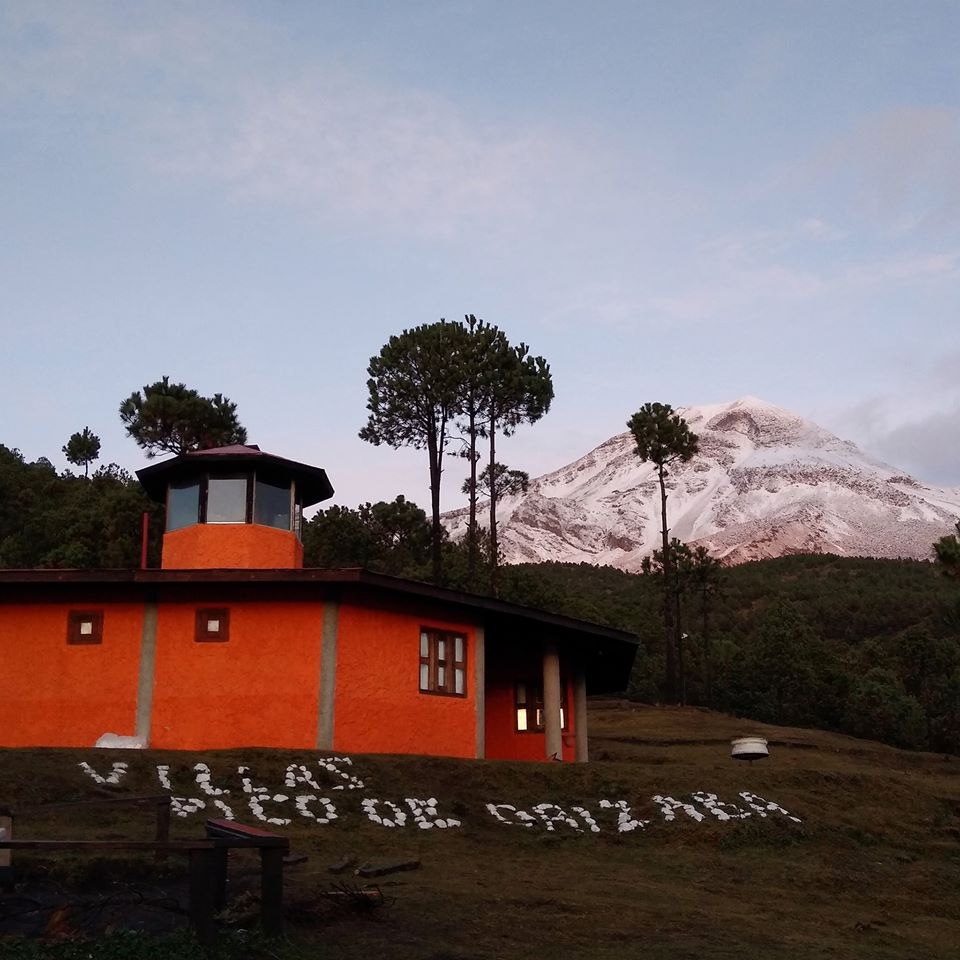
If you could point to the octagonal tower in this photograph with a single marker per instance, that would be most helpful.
(233, 507)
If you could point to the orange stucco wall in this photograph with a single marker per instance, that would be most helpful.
(503, 740)
(258, 688)
(248, 546)
(379, 706)
(56, 694)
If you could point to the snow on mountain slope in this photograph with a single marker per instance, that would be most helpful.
(765, 483)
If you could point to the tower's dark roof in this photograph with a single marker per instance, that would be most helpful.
(312, 483)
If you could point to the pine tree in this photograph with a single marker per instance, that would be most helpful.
(947, 552)
(522, 391)
(415, 390)
(82, 449)
(662, 437)
(173, 418)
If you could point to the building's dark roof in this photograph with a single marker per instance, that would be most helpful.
(608, 653)
(312, 483)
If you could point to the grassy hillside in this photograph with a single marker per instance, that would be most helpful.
(871, 871)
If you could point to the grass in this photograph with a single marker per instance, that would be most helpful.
(871, 872)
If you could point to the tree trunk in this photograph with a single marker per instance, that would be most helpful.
(493, 502)
(435, 452)
(669, 637)
(472, 525)
(707, 652)
(678, 634)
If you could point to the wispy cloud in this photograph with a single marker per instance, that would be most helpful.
(174, 94)
(338, 143)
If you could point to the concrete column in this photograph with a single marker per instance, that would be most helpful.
(551, 702)
(480, 688)
(328, 675)
(148, 659)
(580, 715)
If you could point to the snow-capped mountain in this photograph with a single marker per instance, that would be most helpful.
(765, 483)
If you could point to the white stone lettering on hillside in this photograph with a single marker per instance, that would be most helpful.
(117, 772)
(587, 818)
(668, 806)
(722, 811)
(332, 765)
(256, 797)
(625, 822)
(303, 801)
(519, 816)
(550, 814)
(396, 817)
(203, 782)
(425, 814)
(181, 806)
(763, 807)
(325, 775)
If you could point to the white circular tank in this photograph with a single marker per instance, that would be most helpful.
(748, 748)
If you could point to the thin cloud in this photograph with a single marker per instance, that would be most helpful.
(337, 143)
(172, 91)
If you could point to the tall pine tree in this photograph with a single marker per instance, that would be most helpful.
(662, 438)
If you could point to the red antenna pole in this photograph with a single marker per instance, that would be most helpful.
(143, 540)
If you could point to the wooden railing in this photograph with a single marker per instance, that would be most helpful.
(208, 864)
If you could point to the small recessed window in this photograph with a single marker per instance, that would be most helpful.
(85, 626)
(213, 624)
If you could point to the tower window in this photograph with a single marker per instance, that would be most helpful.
(227, 500)
(183, 504)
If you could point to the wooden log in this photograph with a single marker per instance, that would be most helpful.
(379, 870)
(93, 845)
(344, 864)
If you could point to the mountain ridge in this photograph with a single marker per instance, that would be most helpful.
(765, 483)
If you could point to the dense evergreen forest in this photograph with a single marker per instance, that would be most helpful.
(866, 647)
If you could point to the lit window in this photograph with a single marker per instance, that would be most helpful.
(443, 659)
(213, 625)
(85, 626)
(529, 706)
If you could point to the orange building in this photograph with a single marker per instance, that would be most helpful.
(232, 642)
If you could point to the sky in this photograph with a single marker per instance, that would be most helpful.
(682, 202)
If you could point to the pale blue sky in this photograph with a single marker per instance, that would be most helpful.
(684, 202)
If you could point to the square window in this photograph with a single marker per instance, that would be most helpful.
(213, 625)
(443, 664)
(85, 626)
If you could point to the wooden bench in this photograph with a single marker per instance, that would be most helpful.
(208, 868)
